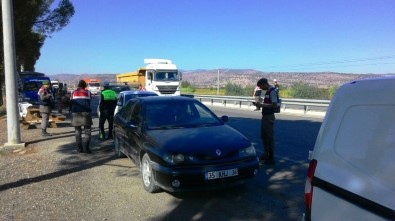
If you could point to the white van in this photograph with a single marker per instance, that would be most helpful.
(352, 169)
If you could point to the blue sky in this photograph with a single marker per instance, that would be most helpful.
(114, 36)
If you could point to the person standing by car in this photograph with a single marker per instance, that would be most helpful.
(275, 85)
(59, 97)
(108, 102)
(141, 88)
(81, 116)
(257, 96)
(46, 105)
(267, 123)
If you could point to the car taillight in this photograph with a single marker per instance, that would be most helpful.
(308, 188)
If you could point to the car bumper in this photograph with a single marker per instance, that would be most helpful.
(194, 178)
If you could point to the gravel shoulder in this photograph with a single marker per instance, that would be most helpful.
(50, 180)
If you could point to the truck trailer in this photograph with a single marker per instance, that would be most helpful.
(159, 75)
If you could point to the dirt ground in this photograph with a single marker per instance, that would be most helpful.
(29, 136)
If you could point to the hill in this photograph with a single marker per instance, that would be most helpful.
(208, 78)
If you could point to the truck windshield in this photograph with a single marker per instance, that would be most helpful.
(167, 76)
(94, 84)
(31, 86)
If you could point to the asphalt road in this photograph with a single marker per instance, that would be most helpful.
(73, 186)
(275, 194)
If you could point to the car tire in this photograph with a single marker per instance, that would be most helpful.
(147, 175)
(117, 146)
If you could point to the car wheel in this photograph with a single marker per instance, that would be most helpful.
(117, 146)
(147, 175)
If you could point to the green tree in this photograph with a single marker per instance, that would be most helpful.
(232, 89)
(332, 90)
(34, 21)
(187, 87)
(306, 91)
(185, 84)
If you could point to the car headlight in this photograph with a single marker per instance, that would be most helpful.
(178, 158)
(247, 152)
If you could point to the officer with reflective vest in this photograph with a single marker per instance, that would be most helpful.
(267, 123)
(108, 102)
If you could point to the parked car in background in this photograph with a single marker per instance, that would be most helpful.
(118, 87)
(179, 144)
(352, 171)
(125, 96)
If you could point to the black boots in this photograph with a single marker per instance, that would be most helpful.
(80, 148)
(84, 149)
(87, 149)
(44, 133)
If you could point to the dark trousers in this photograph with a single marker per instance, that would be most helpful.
(267, 136)
(109, 116)
(83, 144)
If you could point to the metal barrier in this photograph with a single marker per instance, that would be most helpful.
(305, 104)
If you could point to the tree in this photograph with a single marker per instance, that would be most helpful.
(332, 90)
(233, 89)
(34, 21)
(306, 91)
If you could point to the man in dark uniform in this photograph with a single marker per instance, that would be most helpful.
(81, 116)
(108, 102)
(270, 101)
(46, 105)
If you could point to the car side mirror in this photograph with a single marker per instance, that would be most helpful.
(224, 118)
(119, 103)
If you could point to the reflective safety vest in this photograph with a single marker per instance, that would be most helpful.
(109, 95)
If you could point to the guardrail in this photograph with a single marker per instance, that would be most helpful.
(240, 101)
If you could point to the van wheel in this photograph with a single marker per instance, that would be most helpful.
(147, 175)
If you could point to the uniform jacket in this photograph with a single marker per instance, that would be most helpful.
(46, 100)
(81, 108)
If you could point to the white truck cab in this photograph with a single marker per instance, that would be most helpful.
(352, 169)
(162, 77)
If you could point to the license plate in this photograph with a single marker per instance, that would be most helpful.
(221, 174)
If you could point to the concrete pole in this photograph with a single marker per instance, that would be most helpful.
(13, 128)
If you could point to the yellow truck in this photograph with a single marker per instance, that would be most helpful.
(159, 75)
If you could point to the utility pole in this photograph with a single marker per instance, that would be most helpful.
(13, 128)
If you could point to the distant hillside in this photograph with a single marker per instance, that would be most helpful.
(208, 78)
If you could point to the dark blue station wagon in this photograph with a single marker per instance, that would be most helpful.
(179, 144)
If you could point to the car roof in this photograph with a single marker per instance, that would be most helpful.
(154, 99)
(138, 92)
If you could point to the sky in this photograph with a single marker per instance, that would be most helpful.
(115, 36)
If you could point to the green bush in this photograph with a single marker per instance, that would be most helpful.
(297, 90)
(306, 91)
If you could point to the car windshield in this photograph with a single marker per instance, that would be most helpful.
(119, 88)
(131, 96)
(178, 114)
(94, 84)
